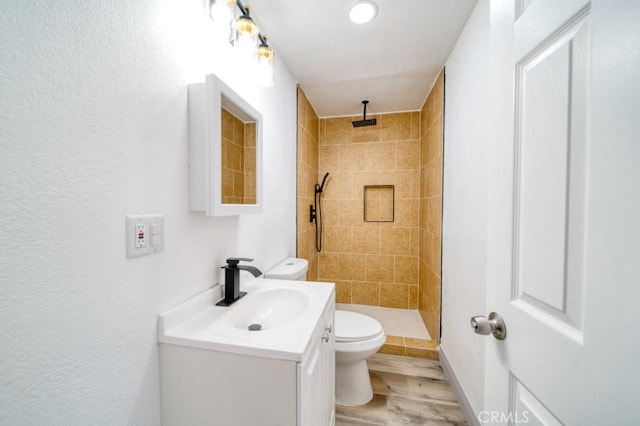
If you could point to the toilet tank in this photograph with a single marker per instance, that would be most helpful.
(292, 268)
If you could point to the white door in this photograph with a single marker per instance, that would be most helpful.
(564, 216)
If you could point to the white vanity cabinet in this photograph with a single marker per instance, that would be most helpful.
(205, 386)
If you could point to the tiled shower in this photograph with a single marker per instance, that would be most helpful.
(385, 252)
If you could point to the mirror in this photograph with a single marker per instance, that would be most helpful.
(225, 149)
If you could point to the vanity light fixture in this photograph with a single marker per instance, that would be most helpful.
(245, 37)
(363, 11)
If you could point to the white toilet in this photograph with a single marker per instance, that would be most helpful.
(357, 338)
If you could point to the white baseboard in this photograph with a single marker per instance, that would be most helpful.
(465, 405)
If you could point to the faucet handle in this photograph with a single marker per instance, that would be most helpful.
(233, 261)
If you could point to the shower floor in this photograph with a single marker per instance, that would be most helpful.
(406, 333)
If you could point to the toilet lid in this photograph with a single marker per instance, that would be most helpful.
(352, 326)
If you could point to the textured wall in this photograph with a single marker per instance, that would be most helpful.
(307, 179)
(372, 263)
(94, 126)
(431, 207)
(465, 203)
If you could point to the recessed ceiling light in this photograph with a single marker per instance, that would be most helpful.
(363, 12)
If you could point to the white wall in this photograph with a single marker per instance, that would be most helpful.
(465, 203)
(93, 127)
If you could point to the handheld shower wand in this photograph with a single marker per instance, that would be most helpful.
(315, 211)
(320, 187)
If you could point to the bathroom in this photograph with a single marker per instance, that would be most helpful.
(95, 127)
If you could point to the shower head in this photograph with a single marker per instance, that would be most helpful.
(364, 121)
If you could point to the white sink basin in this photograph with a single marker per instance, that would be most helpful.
(275, 319)
(269, 309)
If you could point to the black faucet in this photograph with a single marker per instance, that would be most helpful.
(232, 279)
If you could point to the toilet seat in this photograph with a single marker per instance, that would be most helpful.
(355, 327)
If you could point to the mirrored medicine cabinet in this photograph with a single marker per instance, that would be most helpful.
(225, 151)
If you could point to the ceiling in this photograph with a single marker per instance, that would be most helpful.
(391, 61)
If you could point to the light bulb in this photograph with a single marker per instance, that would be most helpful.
(363, 12)
(222, 13)
(266, 65)
(246, 37)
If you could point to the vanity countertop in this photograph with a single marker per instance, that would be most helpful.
(293, 308)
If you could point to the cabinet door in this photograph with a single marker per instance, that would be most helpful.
(312, 393)
(317, 376)
(329, 370)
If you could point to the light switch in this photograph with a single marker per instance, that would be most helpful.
(145, 235)
(156, 234)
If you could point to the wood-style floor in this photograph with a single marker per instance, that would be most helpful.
(406, 391)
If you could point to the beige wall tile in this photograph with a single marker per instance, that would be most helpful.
(362, 179)
(407, 212)
(414, 183)
(408, 154)
(302, 107)
(312, 273)
(303, 144)
(394, 340)
(311, 121)
(400, 179)
(311, 243)
(380, 268)
(352, 157)
(415, 125)
(312, 158)
(343, 292)
(411, 342)
(413, 297)
(330, 211)
(351, 213)
(395, 127)
(238, 184)
(336, 239)
(406, 269)
(415, 242)
(302, 246)
(365, 293)
(380, 156)
(422, 353)
(338, 130)
(321, 131)
(392, 349)
(394, 295)
(366, 239)
(395, 240)
(352, 267)
(339, 186)
(329, 158)
(329, 266)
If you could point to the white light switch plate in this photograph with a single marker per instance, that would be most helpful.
(145, 235)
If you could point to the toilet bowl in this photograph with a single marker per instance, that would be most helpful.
(357, 337)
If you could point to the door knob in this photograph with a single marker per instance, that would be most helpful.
(493, 325)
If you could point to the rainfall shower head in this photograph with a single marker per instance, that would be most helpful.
(364, 121)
